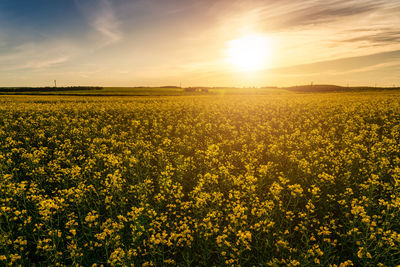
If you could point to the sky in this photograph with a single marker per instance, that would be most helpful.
(187, 42)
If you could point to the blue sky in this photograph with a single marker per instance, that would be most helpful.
(149, 42)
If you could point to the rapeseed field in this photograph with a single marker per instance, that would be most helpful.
(284, 180)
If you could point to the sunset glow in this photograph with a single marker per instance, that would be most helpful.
(249, 53)
(200, 133)
(226, 43)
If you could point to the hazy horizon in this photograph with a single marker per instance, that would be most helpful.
(189, 43)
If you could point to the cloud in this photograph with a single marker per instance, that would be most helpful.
(102, 18)
(49, 62)
(328, 11)
(40, 55)
(345, 65)
(106, 23)
(385, 36)
(293, 14)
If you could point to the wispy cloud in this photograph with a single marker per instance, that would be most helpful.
(345, 65)
(38, 64)
(377, 36)
(106, 22)
(288, 14)
(35, 56)
(103, 19)
(320, 12)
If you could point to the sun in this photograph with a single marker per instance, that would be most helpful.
(250, 53)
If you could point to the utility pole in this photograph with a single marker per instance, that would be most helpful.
(55, 83)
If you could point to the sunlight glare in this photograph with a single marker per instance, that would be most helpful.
(249, 53)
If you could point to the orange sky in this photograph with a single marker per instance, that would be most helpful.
(152, 43)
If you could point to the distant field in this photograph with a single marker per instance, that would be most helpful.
(146, 91)
(104, 91)
(175, 91)
(208, 180)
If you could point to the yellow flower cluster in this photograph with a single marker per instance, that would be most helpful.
(279, 180)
